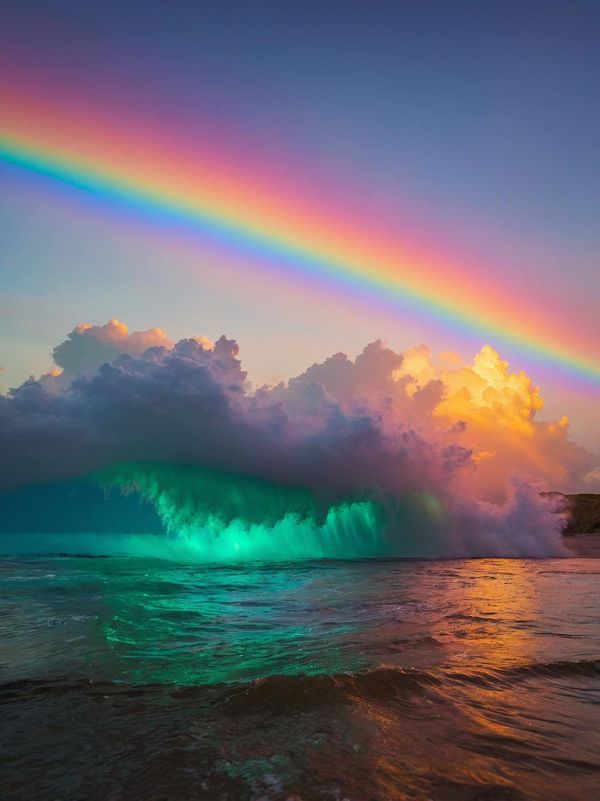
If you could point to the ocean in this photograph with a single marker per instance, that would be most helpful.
(128, 678)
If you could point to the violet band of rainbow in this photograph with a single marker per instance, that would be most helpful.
(316, 258)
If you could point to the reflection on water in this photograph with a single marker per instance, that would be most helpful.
(138, 679)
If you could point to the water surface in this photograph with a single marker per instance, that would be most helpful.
(130, 678)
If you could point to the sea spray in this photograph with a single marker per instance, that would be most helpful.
(216, 516)
(162, 510)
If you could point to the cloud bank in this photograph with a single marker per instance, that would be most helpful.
(410, 455)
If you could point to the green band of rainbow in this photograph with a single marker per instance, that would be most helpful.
(306, 257)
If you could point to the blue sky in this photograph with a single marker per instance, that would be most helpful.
(477, 123)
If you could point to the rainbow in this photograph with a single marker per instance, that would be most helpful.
(209, 196)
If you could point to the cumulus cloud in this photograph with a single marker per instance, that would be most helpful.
(493, 413)
(88, 346)
(384, 426)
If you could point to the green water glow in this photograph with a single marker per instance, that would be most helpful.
(221, 517)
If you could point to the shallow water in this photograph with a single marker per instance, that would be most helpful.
(129, 678)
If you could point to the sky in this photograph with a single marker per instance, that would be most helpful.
(451, 147)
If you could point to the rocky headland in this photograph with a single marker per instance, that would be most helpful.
(583, 511)
(582, 533)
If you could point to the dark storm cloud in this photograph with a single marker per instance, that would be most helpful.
(383, 426)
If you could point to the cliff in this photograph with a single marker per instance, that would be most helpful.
(584, 513)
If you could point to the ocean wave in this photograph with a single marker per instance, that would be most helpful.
(280, 692)
(562, 669)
